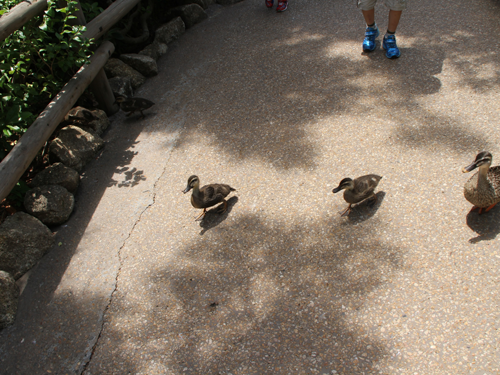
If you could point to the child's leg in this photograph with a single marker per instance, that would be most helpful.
(394, 17)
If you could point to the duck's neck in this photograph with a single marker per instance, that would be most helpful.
(482, 178)
(196, 190)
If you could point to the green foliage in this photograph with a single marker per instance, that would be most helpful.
(35, 63)
(91, 10)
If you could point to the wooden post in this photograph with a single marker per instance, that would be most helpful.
(103, 94)
(15, 18)
(20, 157)
(104, 21)
(100, 86)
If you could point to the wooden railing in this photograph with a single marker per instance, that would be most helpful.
(20, 157)
(19, 15)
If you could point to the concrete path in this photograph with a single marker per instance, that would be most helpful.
(282, 107)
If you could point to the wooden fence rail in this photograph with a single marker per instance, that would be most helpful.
(23, 153)
(19, 15)
(20, 157)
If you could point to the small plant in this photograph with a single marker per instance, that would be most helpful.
(91, 10)
(35, 63)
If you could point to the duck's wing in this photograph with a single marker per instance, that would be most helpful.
(215, 193)
(494, 177)
(365, 185)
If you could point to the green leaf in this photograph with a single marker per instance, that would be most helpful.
(13, 114)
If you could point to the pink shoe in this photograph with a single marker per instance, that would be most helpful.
(269, 3)
(282, 5)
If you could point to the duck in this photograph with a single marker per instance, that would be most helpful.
(132, 105)
(208, 195)
(358, 190)
(483, 188)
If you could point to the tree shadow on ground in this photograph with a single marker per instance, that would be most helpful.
(61, 330)
(258, 99)
(257, 298)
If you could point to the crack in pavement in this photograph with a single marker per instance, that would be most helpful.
(120, 261)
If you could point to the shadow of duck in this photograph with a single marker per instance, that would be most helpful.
(213, 217)
(366, 209)
(487, 225)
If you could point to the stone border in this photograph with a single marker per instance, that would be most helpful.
(26, 237)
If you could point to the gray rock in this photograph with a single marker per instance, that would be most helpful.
(227, 2)
(117, 68)
(201, 3)
(209, 2)
(9, 295)
(170, 31)
(100, 122)
(51, 204)
(154, 50)
(191, 14)
(143, 64)
(121, 86)
(58, 174)
(24, 240)
(74, 147)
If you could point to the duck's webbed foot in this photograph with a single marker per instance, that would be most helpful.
(202, 215)
(346, 212)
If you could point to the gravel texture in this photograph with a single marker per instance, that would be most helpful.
(282, 107)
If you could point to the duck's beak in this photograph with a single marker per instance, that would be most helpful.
(187, 189)
(336, 190)
(469, 168)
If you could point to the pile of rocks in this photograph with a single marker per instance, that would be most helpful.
(26, 237)
(130, 71)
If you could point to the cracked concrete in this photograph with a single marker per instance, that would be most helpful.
(282, 107)
(52, 325)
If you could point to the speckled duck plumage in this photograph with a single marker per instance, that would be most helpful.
(358, 190)
(132, 105)
(483, 188)
(208, 195)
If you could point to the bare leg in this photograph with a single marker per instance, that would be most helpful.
(372, 200)
(484, 209)
(224, 207)
(202, 215)
(490, 207)
(347, 211)
(394, 17)
(369, 16)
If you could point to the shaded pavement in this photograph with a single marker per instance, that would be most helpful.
(282, 107)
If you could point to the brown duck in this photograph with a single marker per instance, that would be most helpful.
(483, 188)
(132, 105)
(208, 195)
(358, 190)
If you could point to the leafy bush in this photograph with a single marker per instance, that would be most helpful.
(35, 63)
